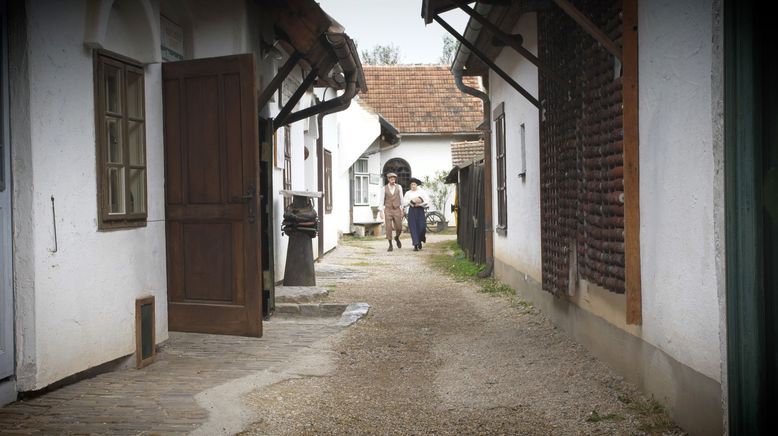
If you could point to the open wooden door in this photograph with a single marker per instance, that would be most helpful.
(211, 184)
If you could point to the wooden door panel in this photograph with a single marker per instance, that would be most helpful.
(211, 164)
(202, 132)
(207, 262)
(233, 137)
(174, 191)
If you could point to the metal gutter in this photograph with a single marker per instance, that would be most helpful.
(346, 53)
(473, 49)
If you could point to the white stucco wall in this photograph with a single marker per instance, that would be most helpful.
(358, 127)
(678, 181)
(79, 309)
(221, 30)
(427, 154)
(520, 246)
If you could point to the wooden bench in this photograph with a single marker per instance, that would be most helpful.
(372, 228)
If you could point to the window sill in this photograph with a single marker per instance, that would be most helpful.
(119, 225)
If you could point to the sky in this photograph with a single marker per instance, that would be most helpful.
(398, 22)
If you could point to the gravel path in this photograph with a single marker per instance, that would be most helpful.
(435, 356)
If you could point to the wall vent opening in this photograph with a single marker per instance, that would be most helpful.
(145, 332)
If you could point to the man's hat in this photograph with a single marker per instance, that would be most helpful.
(391, 175)
(415, 180)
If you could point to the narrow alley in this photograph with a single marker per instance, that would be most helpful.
(433, 356)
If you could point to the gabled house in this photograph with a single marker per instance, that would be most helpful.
(423, 103)
(143, 145)
(628, 187)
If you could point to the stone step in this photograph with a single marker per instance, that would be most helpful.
(348, 313)
(300, 294)
(310, 309)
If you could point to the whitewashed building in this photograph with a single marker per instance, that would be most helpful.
(143, 147)
(628, 199)
(423, 103)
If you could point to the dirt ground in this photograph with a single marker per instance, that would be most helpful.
(436, 356)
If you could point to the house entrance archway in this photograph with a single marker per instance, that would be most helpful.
(401, 168)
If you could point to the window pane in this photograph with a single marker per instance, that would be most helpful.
(360, 189)
(113, 95)
(134, 95)
(137, 191)
(360, 166)
(136, 138)
(116, 190)
(113, 129)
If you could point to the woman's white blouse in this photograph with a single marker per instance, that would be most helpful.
(413, 194)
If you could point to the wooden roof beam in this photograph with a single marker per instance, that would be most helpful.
(590, 27)
(473, 49)
(513, 43)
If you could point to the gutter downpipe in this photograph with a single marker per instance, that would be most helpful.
(350, 67)
(486, 128)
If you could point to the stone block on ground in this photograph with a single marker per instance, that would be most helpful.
(353, 313)
(299, 294)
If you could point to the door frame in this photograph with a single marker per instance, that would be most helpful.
(751, 297)
(7, 340)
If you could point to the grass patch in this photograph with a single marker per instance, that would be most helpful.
(496, 287)
(362, 264)
(358, 241)
(596, 417)
(331, 287)
(453, 261)
(653, 417)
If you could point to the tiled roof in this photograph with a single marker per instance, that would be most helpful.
(422, 98)
(466, 151)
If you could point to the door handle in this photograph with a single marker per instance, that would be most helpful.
(250, 193)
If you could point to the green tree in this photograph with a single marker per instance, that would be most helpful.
(449, 49)
(438, 189)
(381, 55)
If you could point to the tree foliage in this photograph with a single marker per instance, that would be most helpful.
(438, 190)
(381, 55)
(449, 49)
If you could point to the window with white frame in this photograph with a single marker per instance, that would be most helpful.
(361, 182)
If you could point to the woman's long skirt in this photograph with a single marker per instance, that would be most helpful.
(417, 224)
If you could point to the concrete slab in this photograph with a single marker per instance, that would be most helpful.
(353, 313)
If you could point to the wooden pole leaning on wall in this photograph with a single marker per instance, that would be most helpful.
(631, 162)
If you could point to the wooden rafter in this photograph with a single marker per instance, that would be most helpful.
(590, 27)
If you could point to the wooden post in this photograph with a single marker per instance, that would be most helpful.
(631, 162)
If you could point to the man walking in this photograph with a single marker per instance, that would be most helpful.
(390, 207)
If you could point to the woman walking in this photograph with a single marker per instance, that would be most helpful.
(416, 199)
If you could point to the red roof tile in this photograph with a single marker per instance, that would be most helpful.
(422, 99)
(466, 151)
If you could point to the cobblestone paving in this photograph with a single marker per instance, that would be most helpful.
(160, 399)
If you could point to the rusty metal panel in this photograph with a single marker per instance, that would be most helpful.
(581, 152)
